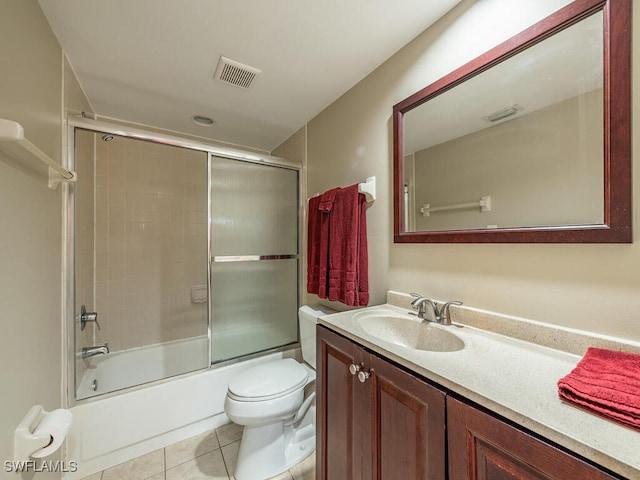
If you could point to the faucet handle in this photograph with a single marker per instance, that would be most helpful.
(417, 297)
(88, 317)
(444, 312)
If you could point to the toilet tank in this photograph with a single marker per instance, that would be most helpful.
(307, 319)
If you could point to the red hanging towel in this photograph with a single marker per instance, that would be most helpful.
(313, 245)
(348, 259)
(337, 259)
(318, 224)
(325, 208)
(606, 382)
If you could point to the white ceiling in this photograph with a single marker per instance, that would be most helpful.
(152, 61)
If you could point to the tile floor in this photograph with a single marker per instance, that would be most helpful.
(211, 455)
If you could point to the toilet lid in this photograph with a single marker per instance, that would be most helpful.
(272, 379)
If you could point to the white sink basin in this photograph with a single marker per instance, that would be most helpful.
(411, 333)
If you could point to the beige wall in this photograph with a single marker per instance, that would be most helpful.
(31, 92)
(590, 287)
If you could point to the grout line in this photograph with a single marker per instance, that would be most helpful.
(226, 463)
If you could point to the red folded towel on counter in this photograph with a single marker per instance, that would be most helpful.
(606, 382)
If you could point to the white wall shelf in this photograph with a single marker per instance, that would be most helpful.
(19, 149)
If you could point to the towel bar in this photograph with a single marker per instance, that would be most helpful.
(368, 188)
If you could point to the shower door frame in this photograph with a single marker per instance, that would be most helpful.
(83, 122)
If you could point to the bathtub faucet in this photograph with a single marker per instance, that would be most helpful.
(93, 351)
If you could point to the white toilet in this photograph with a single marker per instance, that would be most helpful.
(269, 401)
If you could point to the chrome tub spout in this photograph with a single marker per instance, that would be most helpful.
(93, 351)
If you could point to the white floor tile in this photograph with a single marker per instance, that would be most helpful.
(95, 476)
(142, 467)
(282, 476)
(157, 476)
(229, 433)
(230, 455)
(210, 455)
(306, 469)
(191, 448)
(209, 466)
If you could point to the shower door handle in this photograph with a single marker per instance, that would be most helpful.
(88, 317)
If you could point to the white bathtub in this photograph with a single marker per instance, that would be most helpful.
(128, 368)
(112, 430)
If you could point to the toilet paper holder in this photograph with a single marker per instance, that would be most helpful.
(26, 440)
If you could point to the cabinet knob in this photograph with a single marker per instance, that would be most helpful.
(362, 376)
(353, 368)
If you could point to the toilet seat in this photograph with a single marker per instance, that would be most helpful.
(268, 381)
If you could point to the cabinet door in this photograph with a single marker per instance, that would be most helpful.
(339, 397)
(482, 447)
(408, 425)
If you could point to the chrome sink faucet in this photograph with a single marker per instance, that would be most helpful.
(93, 351)
(420, 304)
(442, 315)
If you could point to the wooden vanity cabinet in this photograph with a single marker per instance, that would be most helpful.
(482, 447)
(375, 421)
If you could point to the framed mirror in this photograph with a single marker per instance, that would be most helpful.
(530, 142)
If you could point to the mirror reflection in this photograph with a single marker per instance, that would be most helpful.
(519, 145)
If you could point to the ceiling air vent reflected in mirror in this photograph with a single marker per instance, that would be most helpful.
(504, 113)
(235, 73)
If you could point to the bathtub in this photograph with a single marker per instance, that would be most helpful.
(111, 430)
(136, 366)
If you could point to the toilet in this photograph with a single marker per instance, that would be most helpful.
(269, 401)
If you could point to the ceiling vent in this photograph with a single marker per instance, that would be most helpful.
(235, 73)
(504, 113)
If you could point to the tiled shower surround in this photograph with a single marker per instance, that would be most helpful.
(150, 243)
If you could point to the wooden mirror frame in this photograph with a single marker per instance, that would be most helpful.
(617, 132)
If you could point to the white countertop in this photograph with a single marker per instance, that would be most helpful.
(513, 378)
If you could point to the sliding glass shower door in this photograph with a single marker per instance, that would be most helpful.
(140, 242)
(254, 257)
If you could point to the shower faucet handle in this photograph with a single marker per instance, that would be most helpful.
(88, 317)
